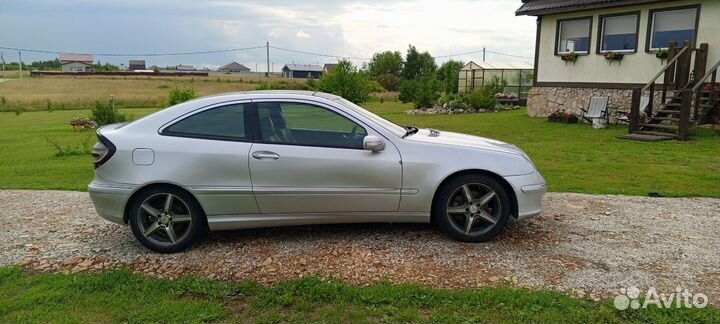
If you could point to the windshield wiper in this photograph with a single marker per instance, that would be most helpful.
(409, 130)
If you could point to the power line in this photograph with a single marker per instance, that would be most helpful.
(320, 54)
(138, 54)
(246, 49)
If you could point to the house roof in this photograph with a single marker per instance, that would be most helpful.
(185, 67)
(303, 67)
(497, 66)
(67, 57)
(329, 66)
(234, 66)
(544, 7)
(137, 62)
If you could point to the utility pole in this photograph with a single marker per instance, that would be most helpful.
(20, 59)
(2, 58)
(483, 54)
(267, 54)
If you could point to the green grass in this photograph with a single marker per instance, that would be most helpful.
(119, 296)
(573, 158)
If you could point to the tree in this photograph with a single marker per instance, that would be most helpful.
(417, 64)
(346, 81)
(448, 75)
(427, 91)
(389, 81)
(386, 63)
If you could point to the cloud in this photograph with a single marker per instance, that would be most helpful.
(345, 28)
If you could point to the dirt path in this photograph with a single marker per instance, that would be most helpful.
(586, 245)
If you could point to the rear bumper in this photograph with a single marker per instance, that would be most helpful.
(110, 200)
(529, 190)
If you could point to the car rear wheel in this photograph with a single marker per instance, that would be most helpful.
(472, 208)
(165, 219)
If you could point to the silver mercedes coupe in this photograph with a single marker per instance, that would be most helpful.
(281, 158)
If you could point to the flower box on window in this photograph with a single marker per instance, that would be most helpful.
(613, 56)
(569, 57)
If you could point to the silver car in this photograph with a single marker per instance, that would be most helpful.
(279, 158)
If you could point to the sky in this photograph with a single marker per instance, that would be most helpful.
(354, 29)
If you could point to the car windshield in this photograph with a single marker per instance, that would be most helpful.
(395, 129)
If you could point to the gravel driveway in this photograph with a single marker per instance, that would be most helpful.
(589, 246)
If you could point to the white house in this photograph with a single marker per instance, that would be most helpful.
(76, 62)
(591, 29)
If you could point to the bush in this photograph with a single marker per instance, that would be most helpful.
(177, 96)
(376, 86)
(311, 83)
(104, 114)
(495, 85)
(454, 101)
(428, 92)
(388, 81)
(347, 82)
(83, 148)
(482, 99)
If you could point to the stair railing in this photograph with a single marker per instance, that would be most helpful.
(698, 88)
(669, 72)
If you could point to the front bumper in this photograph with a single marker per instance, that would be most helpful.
(109, 200)
(529, 190)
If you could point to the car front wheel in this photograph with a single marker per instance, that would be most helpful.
(472, 208)
(165, 219)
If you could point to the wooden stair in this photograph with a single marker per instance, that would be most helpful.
(689, 96)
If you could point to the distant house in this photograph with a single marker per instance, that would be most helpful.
(76, 62)
(302, 71)
(182, 67)
(234, 67)
(136, 65)
(329, 67)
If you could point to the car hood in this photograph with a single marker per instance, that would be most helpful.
(456, 139)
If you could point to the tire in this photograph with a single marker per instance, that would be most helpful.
(163, 229)
(452, 213)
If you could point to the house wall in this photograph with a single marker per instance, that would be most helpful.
(569, 86)
(637, 68)
(76, 67)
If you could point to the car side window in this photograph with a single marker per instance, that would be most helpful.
(222, 123)
(304, 124)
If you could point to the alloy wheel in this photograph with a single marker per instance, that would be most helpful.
(164, 219)
(473, 209)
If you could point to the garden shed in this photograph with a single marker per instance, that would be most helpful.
(518, 75)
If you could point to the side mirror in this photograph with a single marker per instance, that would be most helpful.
(373, 143)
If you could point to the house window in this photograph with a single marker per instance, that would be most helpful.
(677, 25)
(574, 36)
(619, 33)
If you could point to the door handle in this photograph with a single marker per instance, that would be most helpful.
(262, 155)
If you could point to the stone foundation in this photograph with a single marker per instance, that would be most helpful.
(544, 100)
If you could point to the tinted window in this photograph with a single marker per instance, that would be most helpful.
(226, 122)
(619, 33)
(672, 26)
(574, 36)
(303, 124)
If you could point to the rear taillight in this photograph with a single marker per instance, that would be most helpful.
(102, 151)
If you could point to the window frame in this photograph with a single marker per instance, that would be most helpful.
(247, 120)
(601, 30)
(558, 30)
(651, 23)
(257, 135)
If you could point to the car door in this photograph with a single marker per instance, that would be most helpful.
(309, 158)
(207, 151)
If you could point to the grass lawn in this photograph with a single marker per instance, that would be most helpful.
(119, 296)
(573, 158)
